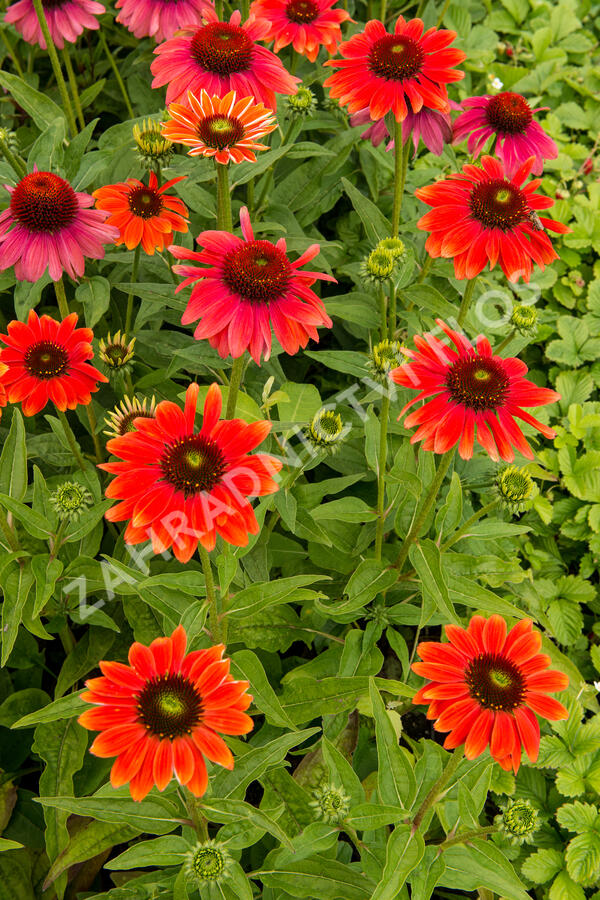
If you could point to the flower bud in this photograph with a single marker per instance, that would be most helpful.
(385, 356)
(378, 266)
(518, 820)
(303, 103)
(153, 149)
(115, 352)
(330, 804)
(393, 245)
(525, 320)
(514, 487)
(122, 417)
(70, 500)
(208, 862)
(326, 431)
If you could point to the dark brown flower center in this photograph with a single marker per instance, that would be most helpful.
(193, 464)
(478, 383)
(45, 360)
(145, 203)
(495, 682)
(126, 420)
(301, 11)
(53, 4)
(169, 706)
(43, 202)
(222, 48)
(497, 203)
(508, 113)
(257, 271)
(396, 57)
(220, 131)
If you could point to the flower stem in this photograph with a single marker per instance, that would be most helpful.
(73, 85)
(421, 515)
(223, 199)
(198, 818)
(13, 160)
(134, 276)
(466, 836)
(383, 312)
(504, 343)
(11, 52)
(60, 81)
(219, 9)
(392, 315)
(439, 788)
(10, 536)
(400, 166)
(381, 464)
(443, 13)
(466, 302)
(382, 10)
(425, 269)
(117, 74)
(93, 429)
(61, 298)
(235, 380)
(454, 538)
(214, 606)
(71, 439)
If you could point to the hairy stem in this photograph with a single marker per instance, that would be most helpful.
(421, 516)
(55, 62)
(439, 788)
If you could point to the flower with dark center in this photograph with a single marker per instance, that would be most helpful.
(385, 356)
(220, 57)
(225, 128)
(70, 500)
(144, 214)
(160, 714)
(248, 287)
(378, 266)
(179, 487)
(326, 432)
(507, 119)
(158, 19)
(514, 487)
(481, 217)
(153, 149)
(525, 320)
(208, 862)
(47, 361)
(66, 20)
(49, 226)
(307, 25)
(115, 352)
(301, 104)
(470, 394)
(121, 419)
(401, 72)
(518, 821)
(485, 687)
(330, 803)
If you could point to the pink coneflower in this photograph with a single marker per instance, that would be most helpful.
(248, 286)
(508, 118)
(434, 128)
(159, 19)
(66, 20)
(220, 57)
(306, 24)
(48, 225)
(385, 71)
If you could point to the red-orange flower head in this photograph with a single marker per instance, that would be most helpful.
(306, 24)
(404, 71)
(180, 487)
(144, 214)
(482, 216)
(46, 361)
(160, 714)
(485, 687)
(248, 286)
(470, 393)
(225, 128)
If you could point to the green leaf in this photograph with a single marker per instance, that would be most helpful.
(249, 667)
(169, 850)
(307, 698)
(37, 525)
(39, 106)
(564, 888)
(154, 814)
(395, 777)
(5, 845)
(543, 865)
(225, 811)
(13, 461)
(303, 401)
(65, 708)
(16, 585)
(94, 296)
(578, 817)
(403, 853)
(319, 877)
(427, 560)
(46, 571)
(376, 224)
(369, 816)
(87, 840)
(481, 865)
(583, 858)
(469, 593)
(258, 597)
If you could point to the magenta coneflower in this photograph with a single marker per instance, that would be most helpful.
(220, 57)
(434, 128)
(159, 19)
(305, 24)
(49, 226)
(508, 118)
(248, 286)
(66, 20)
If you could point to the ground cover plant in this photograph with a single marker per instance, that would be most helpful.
(299, 491)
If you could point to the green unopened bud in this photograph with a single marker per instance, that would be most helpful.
(378, 265)
(385, 356)
(303, 103)
(9, 138)
(525, 320)
(514, 487)
(153, 149)
(330, 804)
(393, 245)
(208, 862)
(115, 352)
(70, 500)
(326, 431)
(518, 820)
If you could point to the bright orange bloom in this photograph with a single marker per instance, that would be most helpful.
(144, 214)
(3, 369)
(306, 24)
(160, 714)
(486, 686)
(225, 128)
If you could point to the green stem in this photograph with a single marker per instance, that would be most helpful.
(466, 301)
(392, 325)
(383, 312)
(439, 788)
(91, 415)
(425, 269)
(423, 512)
(13, 160)
(235, 380)
(443, 13)
(382, 463)
(66, 638)
(60, 81)
(214, 606)
(134, 276)
(382, 10)
(56, 542)
(117, 74)
(219, 9)
(11, 538)
(250, 196)
(245, 9)
(501, 346)
(454, 538)
(71, 439)
(285, 137)
(466, 836)
(11, 52)
(61, 298)
(400, 166)
(224, 222)
(199, 820)
(73, 85)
